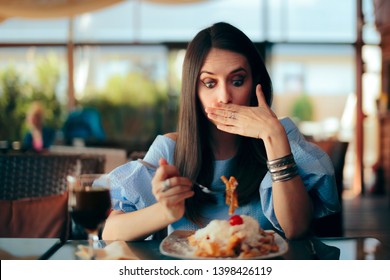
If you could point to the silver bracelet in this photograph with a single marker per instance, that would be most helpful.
(284, 175)
(282, 169)
(279, 162)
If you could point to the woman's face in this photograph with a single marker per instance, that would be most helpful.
(225, 77)
(34, 119)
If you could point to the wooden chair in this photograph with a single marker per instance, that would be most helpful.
(33, 192)
(333, 225)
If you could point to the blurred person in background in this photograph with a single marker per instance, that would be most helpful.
(39, 137)
(83, 124)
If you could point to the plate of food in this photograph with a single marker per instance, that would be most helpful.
(240, 237)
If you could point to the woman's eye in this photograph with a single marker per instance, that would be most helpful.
(238, 83)
(209, 84)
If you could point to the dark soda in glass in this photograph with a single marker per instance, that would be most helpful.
(90, 207)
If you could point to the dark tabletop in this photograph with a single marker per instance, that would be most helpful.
(27, 248)
(340, 248)
(303, 249)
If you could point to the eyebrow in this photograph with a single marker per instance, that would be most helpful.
(232, 72)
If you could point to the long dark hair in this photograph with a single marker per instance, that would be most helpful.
(193, 154)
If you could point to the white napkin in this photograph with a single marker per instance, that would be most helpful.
(115, 250)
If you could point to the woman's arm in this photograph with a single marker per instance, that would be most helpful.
(168, 209)
(292, 205)
(135, 225)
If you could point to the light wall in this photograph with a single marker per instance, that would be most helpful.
(325, 106)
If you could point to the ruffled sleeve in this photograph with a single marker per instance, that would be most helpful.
(316, 171)
(131, 187)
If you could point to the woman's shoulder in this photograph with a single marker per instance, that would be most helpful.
(165, 139)
(162, 147)
(288, 124)
(171, 135)
(304, 151)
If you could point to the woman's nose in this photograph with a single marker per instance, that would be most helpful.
(224, 95)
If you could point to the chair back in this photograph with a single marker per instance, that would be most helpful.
(33, 192)
(333, 225)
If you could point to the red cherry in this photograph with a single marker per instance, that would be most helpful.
(235, 220)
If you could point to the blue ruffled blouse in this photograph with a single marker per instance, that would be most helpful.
(132, 189)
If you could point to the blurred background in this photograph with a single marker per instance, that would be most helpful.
(123, 60)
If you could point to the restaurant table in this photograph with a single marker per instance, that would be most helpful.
(27, 248)
(338, 248)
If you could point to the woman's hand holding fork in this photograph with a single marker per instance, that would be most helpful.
(171, 190)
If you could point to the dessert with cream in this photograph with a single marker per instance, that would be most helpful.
(240, 237)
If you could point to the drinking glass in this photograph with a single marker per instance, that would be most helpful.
(89, 204)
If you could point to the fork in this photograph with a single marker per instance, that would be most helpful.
(313, 250)
(202, 188)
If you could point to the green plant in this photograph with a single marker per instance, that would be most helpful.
(12, 104)
(47, 72)
(302, 108)
(16, 94)
(133, 108)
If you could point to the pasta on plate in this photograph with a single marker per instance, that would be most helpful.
(240, 236)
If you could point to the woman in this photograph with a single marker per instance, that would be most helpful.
(39, 137)
(226, 127)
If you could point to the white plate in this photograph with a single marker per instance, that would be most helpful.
(176, 245)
